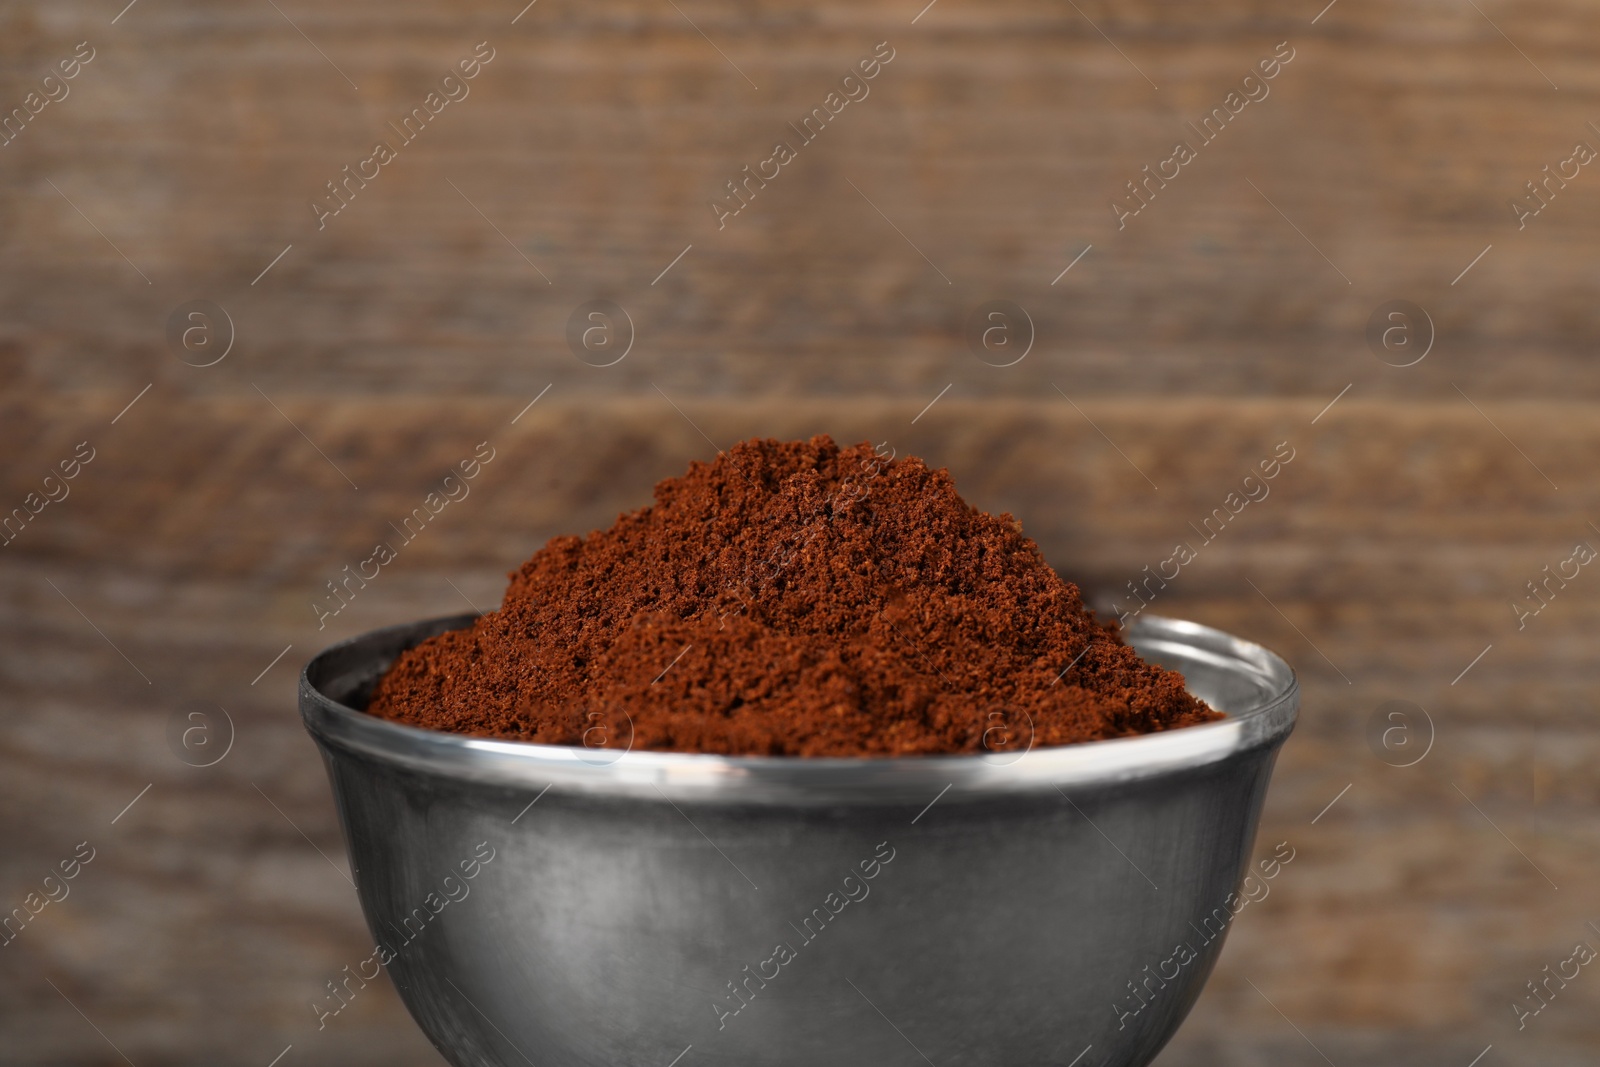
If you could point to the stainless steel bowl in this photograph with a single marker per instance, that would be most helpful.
(568, 906)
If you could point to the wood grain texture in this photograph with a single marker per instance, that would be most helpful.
(200, 534)
(380, 350)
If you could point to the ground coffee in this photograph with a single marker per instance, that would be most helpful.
(791, 599)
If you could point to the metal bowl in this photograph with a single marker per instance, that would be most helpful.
(565, 906)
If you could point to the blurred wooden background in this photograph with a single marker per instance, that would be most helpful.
(377, 352)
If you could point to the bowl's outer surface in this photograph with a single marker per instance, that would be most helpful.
(1007, 924)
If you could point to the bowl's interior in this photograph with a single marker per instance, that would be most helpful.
(1233, 676)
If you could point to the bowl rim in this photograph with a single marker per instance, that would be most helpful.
(340, 730)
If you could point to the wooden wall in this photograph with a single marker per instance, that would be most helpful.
(422, 319)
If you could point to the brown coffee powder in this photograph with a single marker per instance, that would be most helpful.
(791, 599)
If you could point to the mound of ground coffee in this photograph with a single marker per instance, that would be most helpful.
(791, 599)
